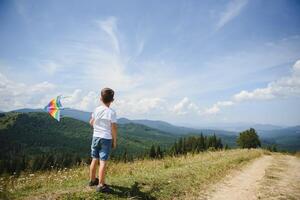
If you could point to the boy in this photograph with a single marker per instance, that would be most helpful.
(103, 121)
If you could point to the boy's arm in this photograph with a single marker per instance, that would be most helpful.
(92, 120)
(114, 134)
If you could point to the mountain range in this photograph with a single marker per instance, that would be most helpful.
(287, 138)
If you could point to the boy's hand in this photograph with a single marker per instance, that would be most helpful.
(114, 135)
(114, 144)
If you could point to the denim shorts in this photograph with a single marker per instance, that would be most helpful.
(100, 148)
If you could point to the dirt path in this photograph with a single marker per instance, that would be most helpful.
(242, 184)
(269, 177)
(282, 179)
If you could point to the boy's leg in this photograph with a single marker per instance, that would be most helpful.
(102, 168)
(93, 168)
(103, 157)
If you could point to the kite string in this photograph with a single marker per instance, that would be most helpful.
(65, 97)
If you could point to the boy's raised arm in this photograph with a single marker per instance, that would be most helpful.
(114, 134)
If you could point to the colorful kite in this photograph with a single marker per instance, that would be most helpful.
(54, 107)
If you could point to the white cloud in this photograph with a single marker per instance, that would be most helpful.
(232, 10)
(284, 87)
(126, 107)
(185, 106)
(89, 102)
(281, 88)
(81, 100)
(216, 107)
(134, 107)
(42, 87)
(212, 110)
(109, 25)
(16, 95)
(93, 59)
(96, 59)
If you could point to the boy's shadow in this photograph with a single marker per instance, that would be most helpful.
(133, 191)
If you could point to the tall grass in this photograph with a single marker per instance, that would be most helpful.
(168, 178)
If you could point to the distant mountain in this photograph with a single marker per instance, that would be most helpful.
(124, 121)
(161, 125)
(285, 138)
(226, 136)
(156, 124)
(180, 130)
(28, 110)
(287, 132)
(265, 127)
(239, 127)
(76, 114)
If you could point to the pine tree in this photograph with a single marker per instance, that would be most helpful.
(219, 143)
(125, 156)
(159, 153)
(175, 149)
(214, 141)
(152, 153)
(184, 146)
(202, 143)
(180, 146)
(226, 147)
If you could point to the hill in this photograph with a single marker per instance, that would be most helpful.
(164, 127)
(161, 125)
(156, 124)
(285, 138)
(238, 127)
(226, 136)
(180, 130)
(36, 141)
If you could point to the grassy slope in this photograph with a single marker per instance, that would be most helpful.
(149, 179)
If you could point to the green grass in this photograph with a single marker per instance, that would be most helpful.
(171, 177)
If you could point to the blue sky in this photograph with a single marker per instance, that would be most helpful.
(186, 62)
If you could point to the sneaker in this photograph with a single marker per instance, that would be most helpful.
(104, 188)
(94, 182)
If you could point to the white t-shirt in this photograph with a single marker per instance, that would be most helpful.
(103, 117)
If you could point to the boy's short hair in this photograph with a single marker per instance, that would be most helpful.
(107, 95)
